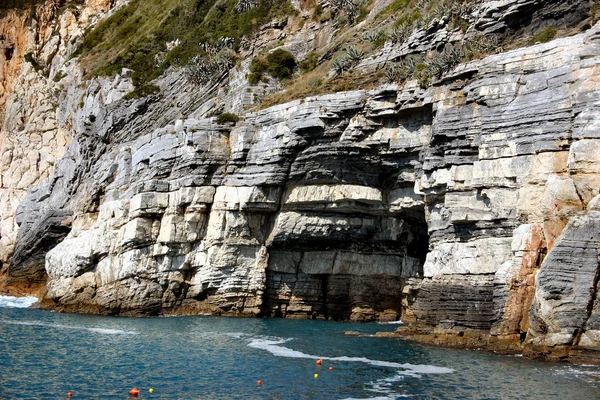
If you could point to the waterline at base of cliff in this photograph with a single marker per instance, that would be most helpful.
(45, 355)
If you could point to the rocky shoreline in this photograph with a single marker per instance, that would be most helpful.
(483, 341)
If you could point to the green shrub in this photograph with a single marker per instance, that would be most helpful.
(135, 36)
(227, 117)
(142, 91)
(281, 64)
(317, 13)
(258, 66)
(544, 35)
(423, 74)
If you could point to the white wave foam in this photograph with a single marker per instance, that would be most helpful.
(384, 386)
(17, 302)
(399, 322)
(235, 335)
(280, 351)
(105, 331)
(588, 373)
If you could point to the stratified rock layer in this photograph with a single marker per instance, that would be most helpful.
(470, 209)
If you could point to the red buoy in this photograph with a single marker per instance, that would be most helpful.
(319, 361)
(70, 394)
(331, 368)
(134, 392)
(259, 382)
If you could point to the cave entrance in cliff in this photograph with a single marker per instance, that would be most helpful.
(355, 280)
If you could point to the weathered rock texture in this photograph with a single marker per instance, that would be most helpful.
(35, 92)
(470, 209)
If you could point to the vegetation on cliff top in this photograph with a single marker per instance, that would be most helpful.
(148, 36)
(333, 69)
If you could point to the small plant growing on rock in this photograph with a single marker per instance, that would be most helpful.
(482, 44)
(198, 72)
(279, 64)
(423, 75)
(258, 66)
(372, 36)
(309, 63)
(142, 91)
(442, 9)
(347, 6)
(341, 65)
(446, 60)
(392, 74)
(347, 60)
(399, 34)
(349, 11)
(354, 54)
(217, 59)
(226, 118)
(544, 35)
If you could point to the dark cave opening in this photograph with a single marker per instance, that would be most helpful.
(316, 277)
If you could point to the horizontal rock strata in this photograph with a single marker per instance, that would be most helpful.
(469, 209)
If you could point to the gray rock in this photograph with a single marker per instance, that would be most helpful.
(438, 204)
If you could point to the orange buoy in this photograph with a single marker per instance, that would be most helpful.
(70, 394)
(319, 361)
(259, 382)
(134, 392)
(331, 368)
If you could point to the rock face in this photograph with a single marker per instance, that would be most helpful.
(471, 208)
(37, 91)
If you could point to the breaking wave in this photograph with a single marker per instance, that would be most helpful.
(17, 302)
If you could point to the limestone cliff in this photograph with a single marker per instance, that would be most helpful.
(466, 204)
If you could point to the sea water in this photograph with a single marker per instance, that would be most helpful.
(44, 355)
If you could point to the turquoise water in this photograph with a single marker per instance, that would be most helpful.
(43, 355)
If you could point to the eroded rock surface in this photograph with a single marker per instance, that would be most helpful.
(469, 209)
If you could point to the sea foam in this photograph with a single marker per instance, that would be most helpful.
(17, 302)
(272, 346)
(106, 331)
